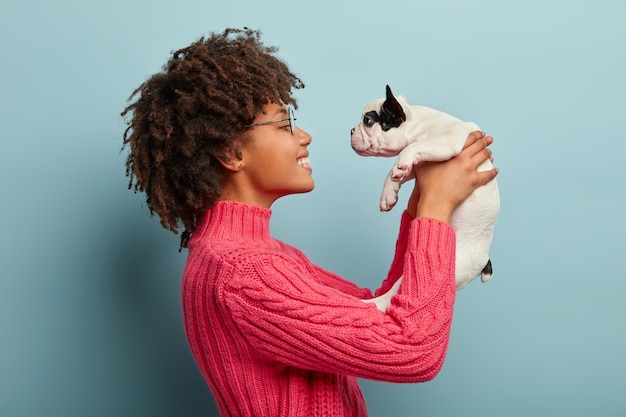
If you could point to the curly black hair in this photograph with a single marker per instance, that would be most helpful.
(193, 113)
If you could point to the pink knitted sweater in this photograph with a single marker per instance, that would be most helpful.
(275, 335)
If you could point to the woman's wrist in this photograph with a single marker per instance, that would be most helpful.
(434, 210)
(419, 206)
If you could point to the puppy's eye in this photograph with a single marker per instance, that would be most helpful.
(370, 118)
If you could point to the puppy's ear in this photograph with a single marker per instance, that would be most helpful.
(391, 113)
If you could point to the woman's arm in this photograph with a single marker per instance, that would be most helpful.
(287, 315)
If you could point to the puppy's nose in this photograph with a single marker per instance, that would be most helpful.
(352, 131)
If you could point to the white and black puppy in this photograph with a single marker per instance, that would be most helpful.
(391, 127)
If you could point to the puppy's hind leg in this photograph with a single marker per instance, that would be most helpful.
(487, 272)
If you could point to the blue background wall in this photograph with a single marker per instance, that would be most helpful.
(89, 283)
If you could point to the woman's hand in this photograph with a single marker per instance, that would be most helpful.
(440, 187)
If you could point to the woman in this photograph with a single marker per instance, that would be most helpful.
(213, 144)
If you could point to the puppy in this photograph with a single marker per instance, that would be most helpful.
(391, 127)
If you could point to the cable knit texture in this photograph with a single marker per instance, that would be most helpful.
(275, 335)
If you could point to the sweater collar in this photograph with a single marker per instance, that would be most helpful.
(235, 221)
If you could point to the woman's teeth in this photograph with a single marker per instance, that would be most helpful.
(304, 162)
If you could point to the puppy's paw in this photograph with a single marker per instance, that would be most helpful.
(400, 172)
(387, 204)
(389, 197)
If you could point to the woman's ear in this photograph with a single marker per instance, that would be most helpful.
(232, 164)
(232, 159)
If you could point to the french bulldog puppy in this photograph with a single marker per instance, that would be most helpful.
(391, 127)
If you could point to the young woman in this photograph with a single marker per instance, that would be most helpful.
(213, 144)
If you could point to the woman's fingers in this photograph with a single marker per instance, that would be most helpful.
(485, 176)
(473, 138)
(481, 156)
(477, 151)
(476, 147)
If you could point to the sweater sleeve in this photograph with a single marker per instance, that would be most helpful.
(287, 315)
(397, 265)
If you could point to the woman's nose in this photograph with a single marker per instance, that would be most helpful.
(303, 135)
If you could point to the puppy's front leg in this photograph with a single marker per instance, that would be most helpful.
(427, 149)
(391, 187)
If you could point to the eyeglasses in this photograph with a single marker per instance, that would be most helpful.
(291, 118)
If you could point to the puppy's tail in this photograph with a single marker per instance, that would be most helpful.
(487, 272)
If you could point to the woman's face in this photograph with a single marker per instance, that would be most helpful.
(275, 161)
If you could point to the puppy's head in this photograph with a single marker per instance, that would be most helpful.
(380, 131)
